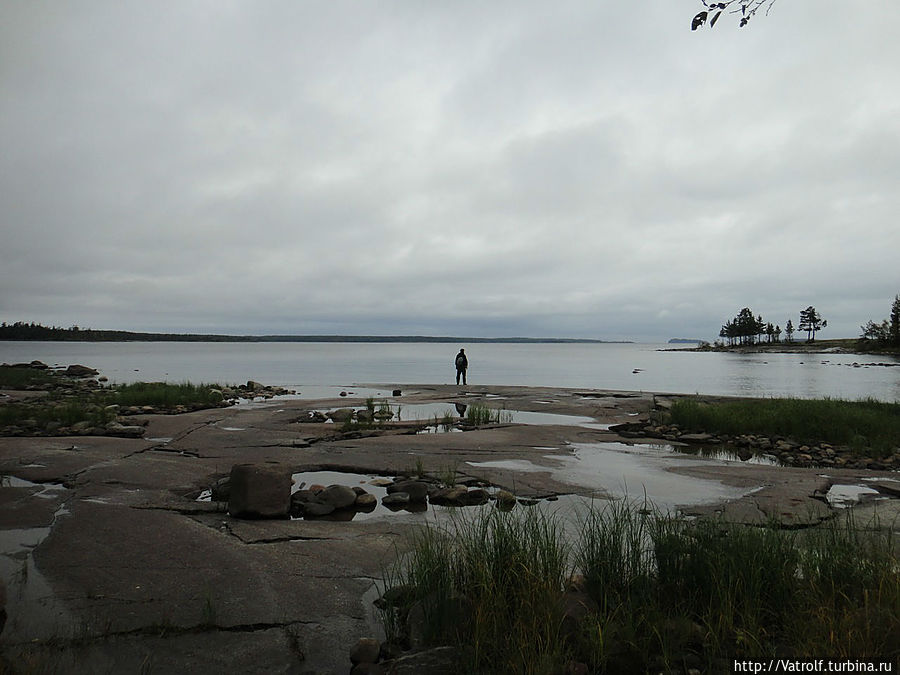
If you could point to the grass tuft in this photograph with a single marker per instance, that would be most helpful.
(663, 594)
(865, 426)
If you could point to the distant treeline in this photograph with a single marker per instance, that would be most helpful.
(33, 331)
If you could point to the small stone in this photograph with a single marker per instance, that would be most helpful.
(366, 500)
(476, 497)
(452, 496)
(417, 490)
(395, 499)
(505, 500)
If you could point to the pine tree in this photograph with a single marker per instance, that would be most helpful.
(811, 321)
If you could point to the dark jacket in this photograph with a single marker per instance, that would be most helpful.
(461, 361)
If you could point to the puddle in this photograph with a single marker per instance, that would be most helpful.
(631, 471)
(47, 490)
(232, 428)
(430, 411)
(374, 484)
(441, 415)
(161, 439)
(522, 465)
(315, 392)
(440, 429)
(33, 612)
(566, 505)
(723, 455)
(845, 496)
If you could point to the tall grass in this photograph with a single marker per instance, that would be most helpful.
(64, 413)
(68, 410)
(19, 378)
(491, 584)
(165, 394)
(666, 594)
(478, 414)
(865, 426)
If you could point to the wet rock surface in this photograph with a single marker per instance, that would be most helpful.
(127, 570)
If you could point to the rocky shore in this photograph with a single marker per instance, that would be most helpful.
(153, 553)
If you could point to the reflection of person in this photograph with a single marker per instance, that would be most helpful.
(461, 364)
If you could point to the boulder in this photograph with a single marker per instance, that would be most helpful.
(259, 491)
(476, 497)
(451, 496)
(317, 509)
(125, 431)
(341, 415)
(506, 501)
(417, 490)
(366, 501)
(395, 499)
(77, 370)
(338, 496)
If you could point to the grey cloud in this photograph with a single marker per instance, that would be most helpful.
(577, 169)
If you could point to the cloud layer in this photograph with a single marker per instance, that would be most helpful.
(577, 169)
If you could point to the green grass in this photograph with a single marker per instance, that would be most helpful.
(19, 378)
(48, 413)
(665, 594)
(865, 426)
(164, 394)
(478, 414)
(491, 584)
(64, 413)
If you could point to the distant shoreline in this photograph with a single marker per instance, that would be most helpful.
(44, 334)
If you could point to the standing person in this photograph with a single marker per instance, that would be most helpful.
(462, 363)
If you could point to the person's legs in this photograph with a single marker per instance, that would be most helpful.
(464, 377)
(457, 377)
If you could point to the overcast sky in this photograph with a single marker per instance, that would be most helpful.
(576, 168)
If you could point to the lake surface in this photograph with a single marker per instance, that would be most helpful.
(315, 366)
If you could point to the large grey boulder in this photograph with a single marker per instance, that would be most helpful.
(259, 491)
(341, 415)
(338, 496)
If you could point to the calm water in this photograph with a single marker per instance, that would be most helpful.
(602, 366)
